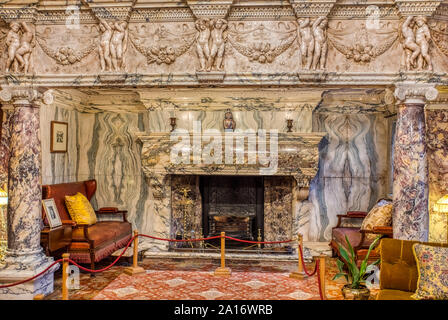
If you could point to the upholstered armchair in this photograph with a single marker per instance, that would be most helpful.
(359, 238)
(399, 273)
(89, 243)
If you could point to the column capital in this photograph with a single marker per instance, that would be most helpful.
(417, 93)
(25, 95)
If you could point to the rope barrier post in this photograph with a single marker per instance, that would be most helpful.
(223, 271)
(300, 273)
(65, 263)
(321, 275)
(135, 269)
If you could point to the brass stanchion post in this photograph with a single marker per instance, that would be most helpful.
(299, 274)
(223, 271)
(65, 263)
(135, 269)
(321, 275)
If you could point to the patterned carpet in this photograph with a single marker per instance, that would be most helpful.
(192, 279)
(190, 285)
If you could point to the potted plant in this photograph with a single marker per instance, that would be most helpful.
(356, 277)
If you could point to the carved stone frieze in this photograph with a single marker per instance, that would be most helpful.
(310, 8)
(366, 10)
(217, 9)
(11, 12)
(362, 49)
(67, 53)
(417, 7)
(439, 32)
(261, 50)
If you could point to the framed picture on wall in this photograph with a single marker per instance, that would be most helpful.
(59, 132)
(52, 213)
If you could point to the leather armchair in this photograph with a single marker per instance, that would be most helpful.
(357, 237)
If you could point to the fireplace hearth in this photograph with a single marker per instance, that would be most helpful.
(234, 205)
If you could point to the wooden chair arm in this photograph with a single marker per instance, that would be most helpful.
(357, 214)
(85, 228)
(68, 223)
(387, 231)
(350, 214)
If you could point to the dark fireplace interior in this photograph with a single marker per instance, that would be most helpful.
(233, 204)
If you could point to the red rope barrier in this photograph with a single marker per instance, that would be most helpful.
(256, 242)
(304, 266)
(176, 240)
(109, 266)
(32, 278)
(124, 250)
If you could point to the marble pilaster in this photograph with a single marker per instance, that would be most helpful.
(410, 186)
(24, 255)
(4, 144)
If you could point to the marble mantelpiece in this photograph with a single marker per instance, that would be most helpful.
(298, 157)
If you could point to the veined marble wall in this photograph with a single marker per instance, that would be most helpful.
(352, 170)
(110, 154)
(59, 167)
(437, 137)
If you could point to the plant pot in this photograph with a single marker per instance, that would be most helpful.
(362, 293)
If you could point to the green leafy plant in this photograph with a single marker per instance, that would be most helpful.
(355, 276)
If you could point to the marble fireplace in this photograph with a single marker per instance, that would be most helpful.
(194, 198)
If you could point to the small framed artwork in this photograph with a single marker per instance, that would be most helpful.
(52, 213)
(59, 131)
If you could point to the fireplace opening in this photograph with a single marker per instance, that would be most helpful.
(234, 205)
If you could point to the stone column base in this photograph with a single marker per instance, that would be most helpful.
(21, 267)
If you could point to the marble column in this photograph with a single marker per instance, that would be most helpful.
(410, 186)
(24, 256)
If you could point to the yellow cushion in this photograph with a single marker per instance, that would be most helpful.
(80, 209)
(379, 216)
(432, 265)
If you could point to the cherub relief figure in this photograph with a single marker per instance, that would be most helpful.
(218, 39)
(320, 43)
(104, 46)
(23, 53)
(118, 44)
(20, 42)
(306, 41)
(422, 38)
(415, 39)
(202, 47)
(412, 50)
(13, 43)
